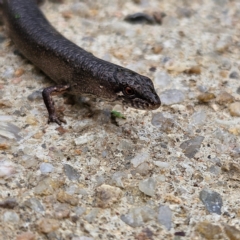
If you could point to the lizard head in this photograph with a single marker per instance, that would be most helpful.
(135, 90)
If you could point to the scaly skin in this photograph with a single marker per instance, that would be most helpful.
(73, 69)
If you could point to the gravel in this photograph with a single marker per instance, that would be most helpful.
(166, 174)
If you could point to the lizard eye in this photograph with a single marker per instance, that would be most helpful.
(128, 91)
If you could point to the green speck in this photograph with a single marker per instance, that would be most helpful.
(117, 114)
(17, 16)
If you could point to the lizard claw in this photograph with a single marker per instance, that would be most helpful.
(54, 118)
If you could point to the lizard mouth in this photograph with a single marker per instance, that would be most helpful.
(142, 104)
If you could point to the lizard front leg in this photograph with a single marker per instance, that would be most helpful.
(47, 92)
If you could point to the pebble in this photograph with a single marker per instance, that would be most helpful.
(233, 169)
(215, 170)
(47, 186)
(46, 168)
(143, 169)
(9, 203)
(106, 195)
(47, 225)
(148, 186)
(165, 124)
(91, 216)
(235, 130)
(140, 158)
(140, 18)
(232, 232)
(64, 197)
(238, 90)
(61, 211)
(79, 211)
(71, 173)
(137, 216)
(83, 139)
(157, 48)
(2, 37)
(224, 98)
(145, 234)
(170, 22)
(8, 73)
(7, 169)
(28, 161)
(5, 144)
(31, 120)
(36, 95)
(100, 179)
(234, 109)
(212, 201)
(184, 12)
(10, 217)
(223, 44)
(202, 88)
(208, 230)
(221, 3)
(235, 153)
(82, 238)
(164, 216)
(9, 130)
(193, 70)
(198, 118)
(5, 118)
(172, 96)
(234, 75)
(125, 145)
(117, 178)
(104, 153)
(162, 79)
(103, 117)
(191, 146)
(223, 74)
(226, 65)
(81, 9)
(35, 205)
(53, 235)
(175, 66)
(25, 236)
(158, 16)
(161, 164)
(205, 97)
(19, 72)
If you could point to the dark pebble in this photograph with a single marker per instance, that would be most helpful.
(140, 18)
(181, 234)
(152, 69)
(234, 75)
(238, 90)
(36, 95)
(212, 201)
(9, 203)
(2, 38)
(70, 172)
(191, 147)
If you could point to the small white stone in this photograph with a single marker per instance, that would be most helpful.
(162, 164)
(198, 118)
(7, 169)
(140, 158)
(10, 217)
(46, 168)
(84, 139)
(148, 186)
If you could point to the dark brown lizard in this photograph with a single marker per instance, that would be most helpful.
(73, 69)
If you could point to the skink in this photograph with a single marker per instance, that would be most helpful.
(73, 69)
